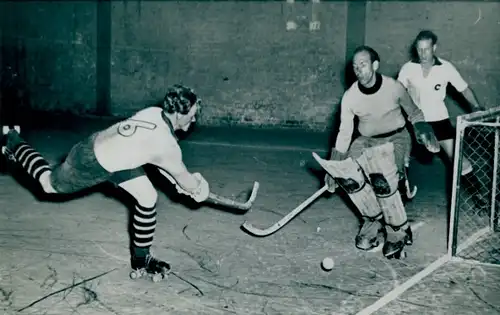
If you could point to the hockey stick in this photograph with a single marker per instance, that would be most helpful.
(249, 228)
(219, 200)
(223, 201)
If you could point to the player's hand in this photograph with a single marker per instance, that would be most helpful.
(202, 192)
(331, 183)
(425, 136)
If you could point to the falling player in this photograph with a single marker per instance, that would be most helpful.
(370, 168)
(117, 155)
(426, 78)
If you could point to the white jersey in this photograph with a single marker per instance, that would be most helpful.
(429, 93)
(144, 138)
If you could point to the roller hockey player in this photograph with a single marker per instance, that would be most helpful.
(372, 167)
(425, 78)
(117, 155)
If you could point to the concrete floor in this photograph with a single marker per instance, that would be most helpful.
(218, 268)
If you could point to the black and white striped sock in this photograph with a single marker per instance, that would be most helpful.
(143, 228)
(31, 161)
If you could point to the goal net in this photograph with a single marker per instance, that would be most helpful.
(474, 233)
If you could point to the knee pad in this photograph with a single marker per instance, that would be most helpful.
(348, 174)
(380, 165)
(351, 178)
(380, 185)
(350, 185)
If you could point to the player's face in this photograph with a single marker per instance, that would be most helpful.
(425, 50)
(364, 68)
(186, 120)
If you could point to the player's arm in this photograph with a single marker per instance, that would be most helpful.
(403, 77)
(346, 130)
(415, 114)
(461, 86)
(423, 131)
(173, 168)
(472, 99)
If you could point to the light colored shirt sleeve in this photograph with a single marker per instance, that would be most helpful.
(346, 129)
(403, 76)
(455, 78)
(172, 167)
(414, 113)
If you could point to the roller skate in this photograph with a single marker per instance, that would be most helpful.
(371, 234)
(150, 267)
(6, 147)
(395, 242)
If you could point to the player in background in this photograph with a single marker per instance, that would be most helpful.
(117, 155)
(426, 78)
(371, 168)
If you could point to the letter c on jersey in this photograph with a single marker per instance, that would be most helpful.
(129, 127)
(437, 87)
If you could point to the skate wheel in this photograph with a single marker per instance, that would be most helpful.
(134, 275)
(157, 277)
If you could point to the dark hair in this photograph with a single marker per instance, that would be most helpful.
(179, 99)
(426, 35)
(373, 54)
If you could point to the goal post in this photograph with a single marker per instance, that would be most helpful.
(473, 230)
(474, 234)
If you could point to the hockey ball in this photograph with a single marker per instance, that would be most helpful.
(327, 264)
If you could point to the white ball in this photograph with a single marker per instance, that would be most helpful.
(328, 263)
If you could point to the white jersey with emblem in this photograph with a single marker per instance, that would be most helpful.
(144, 138)
(429, 92)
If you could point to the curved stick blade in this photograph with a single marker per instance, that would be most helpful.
(223, 201)
(250, 229)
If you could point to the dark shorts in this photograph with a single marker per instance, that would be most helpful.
(443, 129)
(81, 170)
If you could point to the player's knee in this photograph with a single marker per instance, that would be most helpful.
(142, 190)
(147, 198)
(381, 186)
(350, 185)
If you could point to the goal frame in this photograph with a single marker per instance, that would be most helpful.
(463, 122)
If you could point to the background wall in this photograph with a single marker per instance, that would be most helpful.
(114, 58)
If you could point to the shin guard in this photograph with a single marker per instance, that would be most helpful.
(380, 165)
(349, 175)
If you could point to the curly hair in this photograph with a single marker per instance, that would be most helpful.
(179, 99)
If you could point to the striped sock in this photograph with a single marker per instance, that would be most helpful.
(31, 161)
(143, 228)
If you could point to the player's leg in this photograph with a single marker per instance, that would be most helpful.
(445, 133)
(143, 225)
(350, 177)
(379, 163)
(79, 170)
(19, 151)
